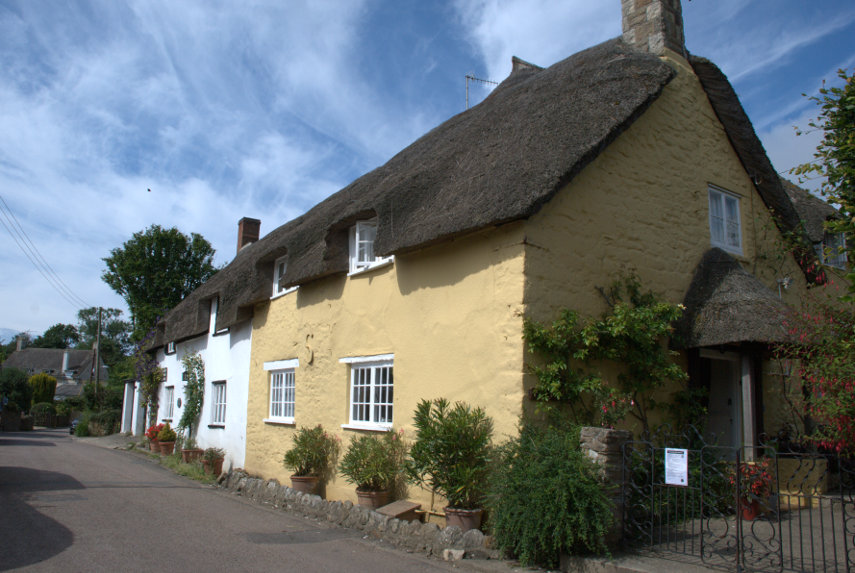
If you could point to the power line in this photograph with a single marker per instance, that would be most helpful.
(19, 235)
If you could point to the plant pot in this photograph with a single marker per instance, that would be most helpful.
(190, 455)
(749, 509)
(166, 448)
(373, 499)
(213, 467)
(465, 519)
(154, 446)
(305, 484)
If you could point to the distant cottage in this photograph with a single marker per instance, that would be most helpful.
(413, 281)
(71, 368)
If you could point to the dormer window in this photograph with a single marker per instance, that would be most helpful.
(831, 251)
(170, 348)
(362, 255)
(279, 268)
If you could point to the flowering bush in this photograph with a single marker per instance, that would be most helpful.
(755, 480)
(314, 453)
(374, 463)
(153, 431)
(166, 434)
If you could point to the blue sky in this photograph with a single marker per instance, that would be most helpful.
(261, 108)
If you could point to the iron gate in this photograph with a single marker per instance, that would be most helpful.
(803, 521)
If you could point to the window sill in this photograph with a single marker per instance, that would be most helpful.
(372, 267)
(279, 421)
(217, 426)
(367, 427)
(166, 420)
(284, 292)
(731, 250)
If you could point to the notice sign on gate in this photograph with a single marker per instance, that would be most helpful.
(676, 467)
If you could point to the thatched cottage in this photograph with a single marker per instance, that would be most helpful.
(413, 281)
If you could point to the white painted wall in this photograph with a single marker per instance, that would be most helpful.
(226, 357)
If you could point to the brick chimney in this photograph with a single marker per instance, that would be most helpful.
(654, 25)
(247, 232)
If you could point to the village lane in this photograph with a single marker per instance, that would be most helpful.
(69, 506)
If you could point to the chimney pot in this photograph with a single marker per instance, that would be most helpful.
(248, 230)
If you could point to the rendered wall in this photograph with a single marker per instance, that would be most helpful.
(226, 357)
(450, 315)
(642, 205)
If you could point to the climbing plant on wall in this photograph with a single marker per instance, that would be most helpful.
(631, 332)
(194, 390)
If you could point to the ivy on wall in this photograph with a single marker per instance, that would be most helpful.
(194, 390)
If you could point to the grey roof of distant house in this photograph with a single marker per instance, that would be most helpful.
(497, 162)
(49, 360)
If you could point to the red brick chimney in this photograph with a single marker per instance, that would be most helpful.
(248, 230)
(653, 25)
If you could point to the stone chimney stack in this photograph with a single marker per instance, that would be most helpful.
(20, 344)
(654, 25)
(248, 230)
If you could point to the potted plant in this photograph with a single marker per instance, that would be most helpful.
(755, 486)
(190, 452)
(151, 433)
(212, 460)
(374, 464)
(166, 437)
(312, 458)
(451, 455)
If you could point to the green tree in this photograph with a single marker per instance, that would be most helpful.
(835, 158)
(58, 336)
(15, 388)
(115, 333)
(44, 387)
(155, 269)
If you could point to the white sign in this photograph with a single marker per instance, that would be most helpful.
(676, 467)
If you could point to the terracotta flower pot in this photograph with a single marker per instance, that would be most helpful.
(154, 446)
(749, 509)
(190, 455)
(166, 448)
(465, 519)
(373, 499)
(214, 468)
(305, 484)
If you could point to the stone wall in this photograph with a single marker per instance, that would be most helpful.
(449, 543)
(605, 447)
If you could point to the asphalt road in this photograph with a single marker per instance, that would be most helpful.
(69, 506)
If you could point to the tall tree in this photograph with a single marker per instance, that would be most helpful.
(58, 336)
(155, 269)
(835, 157)
(115, 333)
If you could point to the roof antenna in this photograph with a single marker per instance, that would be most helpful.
(471, 76)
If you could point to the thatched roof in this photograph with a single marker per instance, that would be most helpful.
(497, 162)
(49, 361)
(812, 210)
(725, 304)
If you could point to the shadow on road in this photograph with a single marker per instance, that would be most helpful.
(28, 535)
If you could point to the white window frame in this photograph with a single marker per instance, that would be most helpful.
(279, 268)
(170, 348)
(725, 220)
(363, 234)
(169, 402)
(282, 399)
(832, 250)
(374, 410)
(218, 403)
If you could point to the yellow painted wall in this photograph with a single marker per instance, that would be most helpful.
(451, 315)
(643, 205)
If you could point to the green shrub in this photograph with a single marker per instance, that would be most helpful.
(167, 434)
(62, 408)
(374, 463)
(314, 453)
(15, 387)
(43, 408)
(546, 498)
(451, 452)
(108, 420)
(44, 387)
(82, 429)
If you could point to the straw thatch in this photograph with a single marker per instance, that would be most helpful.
(497, 162)
(813, 211)
(725, 304)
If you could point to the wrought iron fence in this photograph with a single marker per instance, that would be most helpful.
(740, 508)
